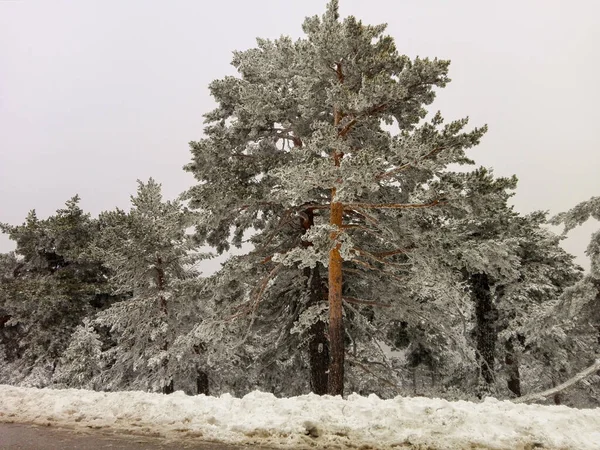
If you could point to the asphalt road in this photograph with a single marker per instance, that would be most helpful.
(33, 437)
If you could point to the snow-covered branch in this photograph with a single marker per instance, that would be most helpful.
(561, 387)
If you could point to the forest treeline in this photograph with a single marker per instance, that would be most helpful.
(380, 258)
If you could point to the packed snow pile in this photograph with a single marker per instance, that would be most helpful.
(310, 420)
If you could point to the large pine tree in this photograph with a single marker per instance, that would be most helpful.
(302, 135)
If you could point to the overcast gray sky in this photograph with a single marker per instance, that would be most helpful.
(97, 94)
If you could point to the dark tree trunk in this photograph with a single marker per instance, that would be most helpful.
(169, 388)
(318, 347)
(512, 367)
(202, 383)
(160, 285)
(556, 397)
(597, 310)
(556, 380)
(486, 316)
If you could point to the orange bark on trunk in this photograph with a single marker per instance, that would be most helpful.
(336, 320)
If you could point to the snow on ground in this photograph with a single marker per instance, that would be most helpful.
(310, 420)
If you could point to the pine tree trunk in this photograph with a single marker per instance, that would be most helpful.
(160, 285)
(202, 383)
(318, 347)
(485, 332)
(512, 367)
(557, 396)
(336, 319)
(169, 388)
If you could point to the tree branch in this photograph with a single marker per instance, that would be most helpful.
(398, 251)
(339, 73)
(265, 283)
(251, 305)
(368, 217)
(361, 228)
(245, 207)
(377, 269)
(242, 155)
(375, 258)
(348, 127)
(542, 395)
(365, 302)
(389, 173)
(393, 205)
(365, 369)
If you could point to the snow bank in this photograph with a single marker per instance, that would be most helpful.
(310, 420)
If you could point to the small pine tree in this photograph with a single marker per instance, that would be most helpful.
(81, 363)
(149, 256)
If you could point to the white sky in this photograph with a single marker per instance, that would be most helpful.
(96, 94)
